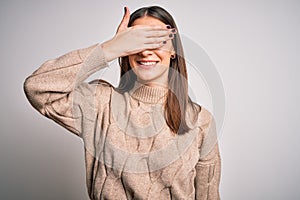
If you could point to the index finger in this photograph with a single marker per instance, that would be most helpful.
(149, 27)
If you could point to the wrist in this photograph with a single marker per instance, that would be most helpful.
(109, 53)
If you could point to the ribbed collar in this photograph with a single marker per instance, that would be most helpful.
(149, 94)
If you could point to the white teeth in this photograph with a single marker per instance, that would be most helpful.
(148, 63)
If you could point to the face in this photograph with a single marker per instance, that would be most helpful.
(151, 66)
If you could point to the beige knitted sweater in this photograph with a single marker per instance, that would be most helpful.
(130, 152)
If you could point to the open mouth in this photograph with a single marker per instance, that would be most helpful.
(147, 64)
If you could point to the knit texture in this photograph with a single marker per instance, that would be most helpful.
(130, 152)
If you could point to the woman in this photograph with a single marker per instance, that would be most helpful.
(144, 139)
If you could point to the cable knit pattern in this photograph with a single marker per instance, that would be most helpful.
(130, 152)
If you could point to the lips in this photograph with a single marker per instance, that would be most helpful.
(146, 64)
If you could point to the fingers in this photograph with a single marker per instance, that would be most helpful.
(159, 39)
(160, 33)
(155, 36)
(153, 31)
(155, 45)
(124, 23)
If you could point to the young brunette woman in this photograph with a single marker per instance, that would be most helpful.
(144, 139)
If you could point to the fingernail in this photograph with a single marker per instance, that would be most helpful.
(164, 42)
(124, 9)
(173, 30)
(168, 27)
(171, 35)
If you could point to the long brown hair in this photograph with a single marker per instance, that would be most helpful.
(177, 98)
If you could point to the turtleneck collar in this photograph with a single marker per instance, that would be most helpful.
(149, 94)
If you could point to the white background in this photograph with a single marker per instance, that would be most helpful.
(253, 44)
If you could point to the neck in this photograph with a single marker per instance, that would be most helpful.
(153, 83)
(149, 93)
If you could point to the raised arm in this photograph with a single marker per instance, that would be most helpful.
(58, 91)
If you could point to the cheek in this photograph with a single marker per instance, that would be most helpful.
(131, 61)
(164, 56)
(166, 49)
(164, 52)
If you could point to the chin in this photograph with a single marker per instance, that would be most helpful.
(145, 77)
(152, 71)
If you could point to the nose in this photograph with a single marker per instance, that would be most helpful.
(145, 53)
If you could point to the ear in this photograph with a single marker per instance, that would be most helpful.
(173, 54)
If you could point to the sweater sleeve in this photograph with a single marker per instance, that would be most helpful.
(58, 91)
(208, 168)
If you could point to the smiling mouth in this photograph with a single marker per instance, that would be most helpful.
(147, 64)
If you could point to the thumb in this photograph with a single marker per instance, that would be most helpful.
(124, 23)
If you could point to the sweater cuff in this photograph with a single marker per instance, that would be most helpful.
(93, 59)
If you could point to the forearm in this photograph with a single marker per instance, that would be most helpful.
(58, 77)
(110, 50)
(208, 179)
